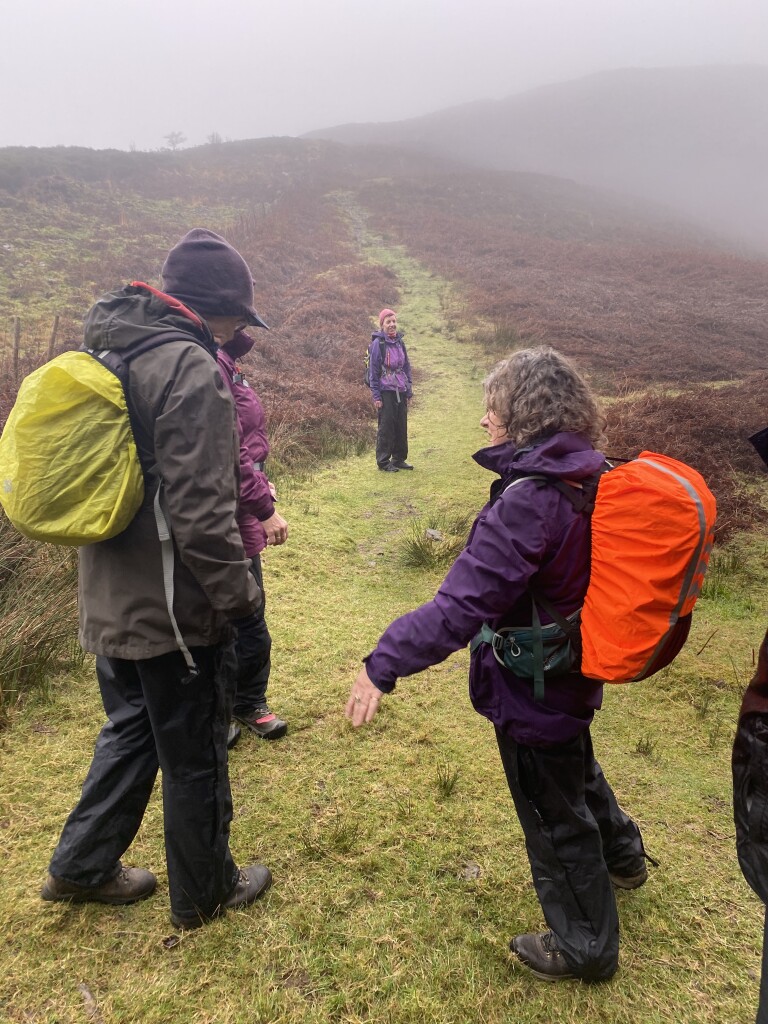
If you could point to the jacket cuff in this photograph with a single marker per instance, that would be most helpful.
(380, 684)
(263, 517)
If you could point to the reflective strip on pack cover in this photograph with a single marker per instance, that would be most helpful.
(69, 469)
(652, 534)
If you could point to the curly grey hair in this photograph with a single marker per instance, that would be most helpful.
(537, 392)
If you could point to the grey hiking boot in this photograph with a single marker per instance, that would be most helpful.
(264, 723)
(252, 882)
(539, 953)
(128, 886)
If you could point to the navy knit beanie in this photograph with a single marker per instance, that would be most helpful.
(210, 276)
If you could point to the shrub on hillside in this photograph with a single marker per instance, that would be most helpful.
(709, 430)
(38, 613)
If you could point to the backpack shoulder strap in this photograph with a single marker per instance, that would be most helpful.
(118, 362)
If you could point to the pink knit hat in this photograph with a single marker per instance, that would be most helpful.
(384, 314)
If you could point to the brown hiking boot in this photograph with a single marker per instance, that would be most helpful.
(630, 881)
(128, 886)
(539, 953)
(252, 882)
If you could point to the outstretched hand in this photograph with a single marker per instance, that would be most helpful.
(363, 701)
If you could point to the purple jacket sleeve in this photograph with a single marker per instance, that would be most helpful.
(375, 370)
(507, 545)
(407, 368)
(255, 496)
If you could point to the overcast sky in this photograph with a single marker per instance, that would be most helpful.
(103, 73)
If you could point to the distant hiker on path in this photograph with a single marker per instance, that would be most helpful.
(541, 419)
(162, 712)
(260, 524)
(391, 391)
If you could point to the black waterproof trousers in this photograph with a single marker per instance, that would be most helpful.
(392, 438)
(253, 676)
(575, 833)
(156, 718)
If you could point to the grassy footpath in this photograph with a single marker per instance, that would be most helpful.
(400, 873)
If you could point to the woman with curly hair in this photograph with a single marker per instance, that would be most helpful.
(530, 538)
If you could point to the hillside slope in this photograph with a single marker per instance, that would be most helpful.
(637, 299)
(695, 139)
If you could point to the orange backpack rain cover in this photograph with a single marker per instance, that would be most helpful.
(652, 534)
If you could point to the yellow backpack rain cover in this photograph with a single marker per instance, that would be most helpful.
(69, 467)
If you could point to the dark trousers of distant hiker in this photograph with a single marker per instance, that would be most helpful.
(253, 677)
(159, 718)
(392, 438)
(575, 833)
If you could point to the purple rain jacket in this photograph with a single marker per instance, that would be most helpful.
(393, 373)
(531, 534)
(256, 504)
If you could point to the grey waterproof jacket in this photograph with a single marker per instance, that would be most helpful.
(185, 412)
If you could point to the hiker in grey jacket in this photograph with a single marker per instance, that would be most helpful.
(168, 705)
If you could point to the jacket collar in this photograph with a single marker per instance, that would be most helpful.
(239, 346)
(565, 455)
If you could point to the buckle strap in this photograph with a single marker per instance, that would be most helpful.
(485, 635)
(538, 655)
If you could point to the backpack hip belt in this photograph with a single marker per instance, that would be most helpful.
(536, 652)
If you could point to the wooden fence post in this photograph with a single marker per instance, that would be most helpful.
(52, 339)
(16, 346)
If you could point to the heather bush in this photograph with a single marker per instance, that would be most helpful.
(626, 296)
(38, 613)
(709, 430)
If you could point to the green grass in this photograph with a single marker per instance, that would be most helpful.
(400, 870)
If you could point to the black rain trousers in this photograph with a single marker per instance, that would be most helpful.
(392, 436)
(575, 834)
(253, 676)
(157, 719)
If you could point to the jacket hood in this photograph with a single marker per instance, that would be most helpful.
(123, 318)
(566, 455)
(239, 346)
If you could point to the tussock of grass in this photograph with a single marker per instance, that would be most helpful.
(433, 541)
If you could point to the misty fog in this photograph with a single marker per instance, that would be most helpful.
(152, 76)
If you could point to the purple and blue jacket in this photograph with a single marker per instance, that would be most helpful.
(530, 535)
(256, 504)
(393, 372)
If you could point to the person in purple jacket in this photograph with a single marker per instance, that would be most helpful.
(541, 418)
(391, 392)
(260, 525)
